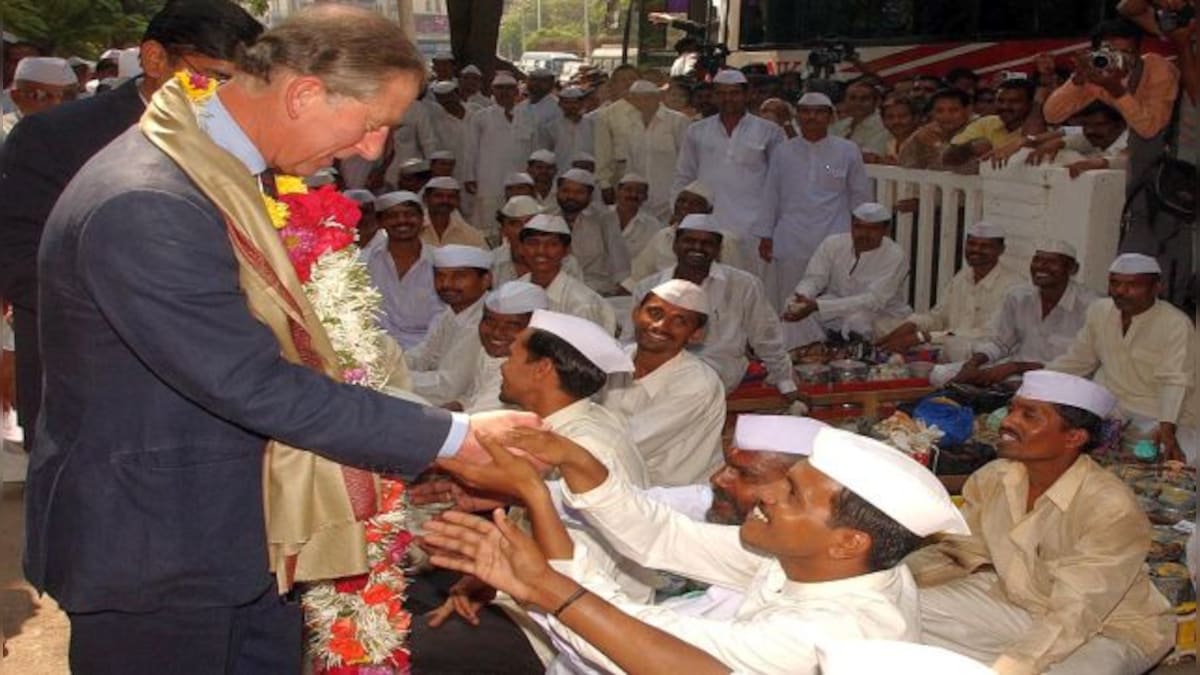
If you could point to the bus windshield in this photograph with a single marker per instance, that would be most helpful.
(777, 24)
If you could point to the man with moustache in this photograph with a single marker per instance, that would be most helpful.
(1016, 118)
(596, 240)
(444, 223)
(1035, 323)
(1051, 578)
(674, 402)
(545, 243)
(401, 267)
(1141, 349)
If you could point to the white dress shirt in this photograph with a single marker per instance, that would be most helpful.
(740, 315)
(1018, 332)
(451, 134)
(597, 243)
(565, 138)
(676, 413)
(779, 622)
(734, 166)
(659, 254)
(654, 153)
(869, 135)
(529, 118)
(439, 366)
(491, 152)
(409, 303)
(571, 296)
(965, 307)
(483, 391)
(639, 232)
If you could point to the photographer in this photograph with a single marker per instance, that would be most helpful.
(1142, 88)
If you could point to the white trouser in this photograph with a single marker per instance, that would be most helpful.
(964, 617)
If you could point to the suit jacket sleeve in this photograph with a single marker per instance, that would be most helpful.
(30, 183)
(163, 273)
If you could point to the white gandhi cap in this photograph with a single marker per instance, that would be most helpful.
(442, 183)
(700, 190)
(457, 255)
(360, 196)
(129, 63)
(889, 480)
(543, 156)
(815, 99)
(644, 87)
(776, 433)
(684, 294)
(1051, 386)
(441, 154)
(504, 78)
(518, 178)
(588, 337)
(387, 201)
(701, 222)
(985, 230)
(1055, 246)
(414, 165)
(45, 70)
(471, 70)
(546, 223)
(520, 206)
(517, 297)
(582, 156)
(871, 212)
(581, 176)
(572, 93)
(1134, 263)
(632, 177)
(855, 657)
(443, 87)
(730, 76)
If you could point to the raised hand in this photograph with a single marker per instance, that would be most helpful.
(492, 423)
(498, 553)
(506, 474)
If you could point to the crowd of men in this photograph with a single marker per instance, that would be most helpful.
(610, 254)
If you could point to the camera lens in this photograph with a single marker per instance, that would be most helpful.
(1101, 61)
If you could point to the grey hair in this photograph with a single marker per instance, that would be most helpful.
(354, 52)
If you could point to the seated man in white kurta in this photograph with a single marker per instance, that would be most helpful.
(818, 559)
(506, 312)
(545, 243)
(508, 261)
(460, 277)
(675, 403)
(854, 283)
(966, 304)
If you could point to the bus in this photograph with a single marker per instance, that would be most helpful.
(893, 38)
(552, 61)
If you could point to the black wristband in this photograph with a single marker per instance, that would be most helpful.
(579, 592)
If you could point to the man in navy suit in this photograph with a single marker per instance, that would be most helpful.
(45, 151)
(144, 506)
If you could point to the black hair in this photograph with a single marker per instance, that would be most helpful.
(930, 78)
(702, 316)
(214, 28)
(686, 43)
(1116, 28)
(577, 376)
(957, 94)
(525, 234)
(890, 541)
(906, 102)
(1101, 108)
(1024, 84)
(960, 73)
(1078, 418)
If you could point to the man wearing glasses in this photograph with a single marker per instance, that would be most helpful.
(44, 152)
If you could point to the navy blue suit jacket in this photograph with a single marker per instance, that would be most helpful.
(161, 390)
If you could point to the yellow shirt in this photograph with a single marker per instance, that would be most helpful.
(989, 128)
(1148, 368)
(1075, 561)
(457, 232)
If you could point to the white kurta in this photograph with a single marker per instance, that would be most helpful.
(778, 624)
(451, 135)
(483, 392)
(965, 307)
(676, 413)
(440, 365)
(491, 152)
(410, 303)
(613, 126)
(571, 296)
(504, 270)
(414, 137)
(659, 254)
(639, 232)
(852, 291)
(530, 117)
(1149, 368)
(597, 243)
(734, 166)
(740, 316)
(811, 188)
(869, 135)
(566, 138)
(654, 153)
(1018, 332)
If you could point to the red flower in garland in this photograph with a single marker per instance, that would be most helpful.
(320, 221)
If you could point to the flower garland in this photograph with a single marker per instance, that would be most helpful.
(357, 624)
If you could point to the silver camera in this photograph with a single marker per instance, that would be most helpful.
(1107, 58)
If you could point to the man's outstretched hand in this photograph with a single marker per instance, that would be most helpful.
(494, 423)
(496, 552)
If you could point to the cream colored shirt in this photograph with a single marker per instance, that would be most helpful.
(965, 307)
(614, 125)
(483, 392)
(639, 232)
(1148, 368)
(571, 296)
(1019, 332)
(778, 623)
(440, 365)
(504, 269)
(457, 232)
(676, 413)
(653, 153)
(1075, 561)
